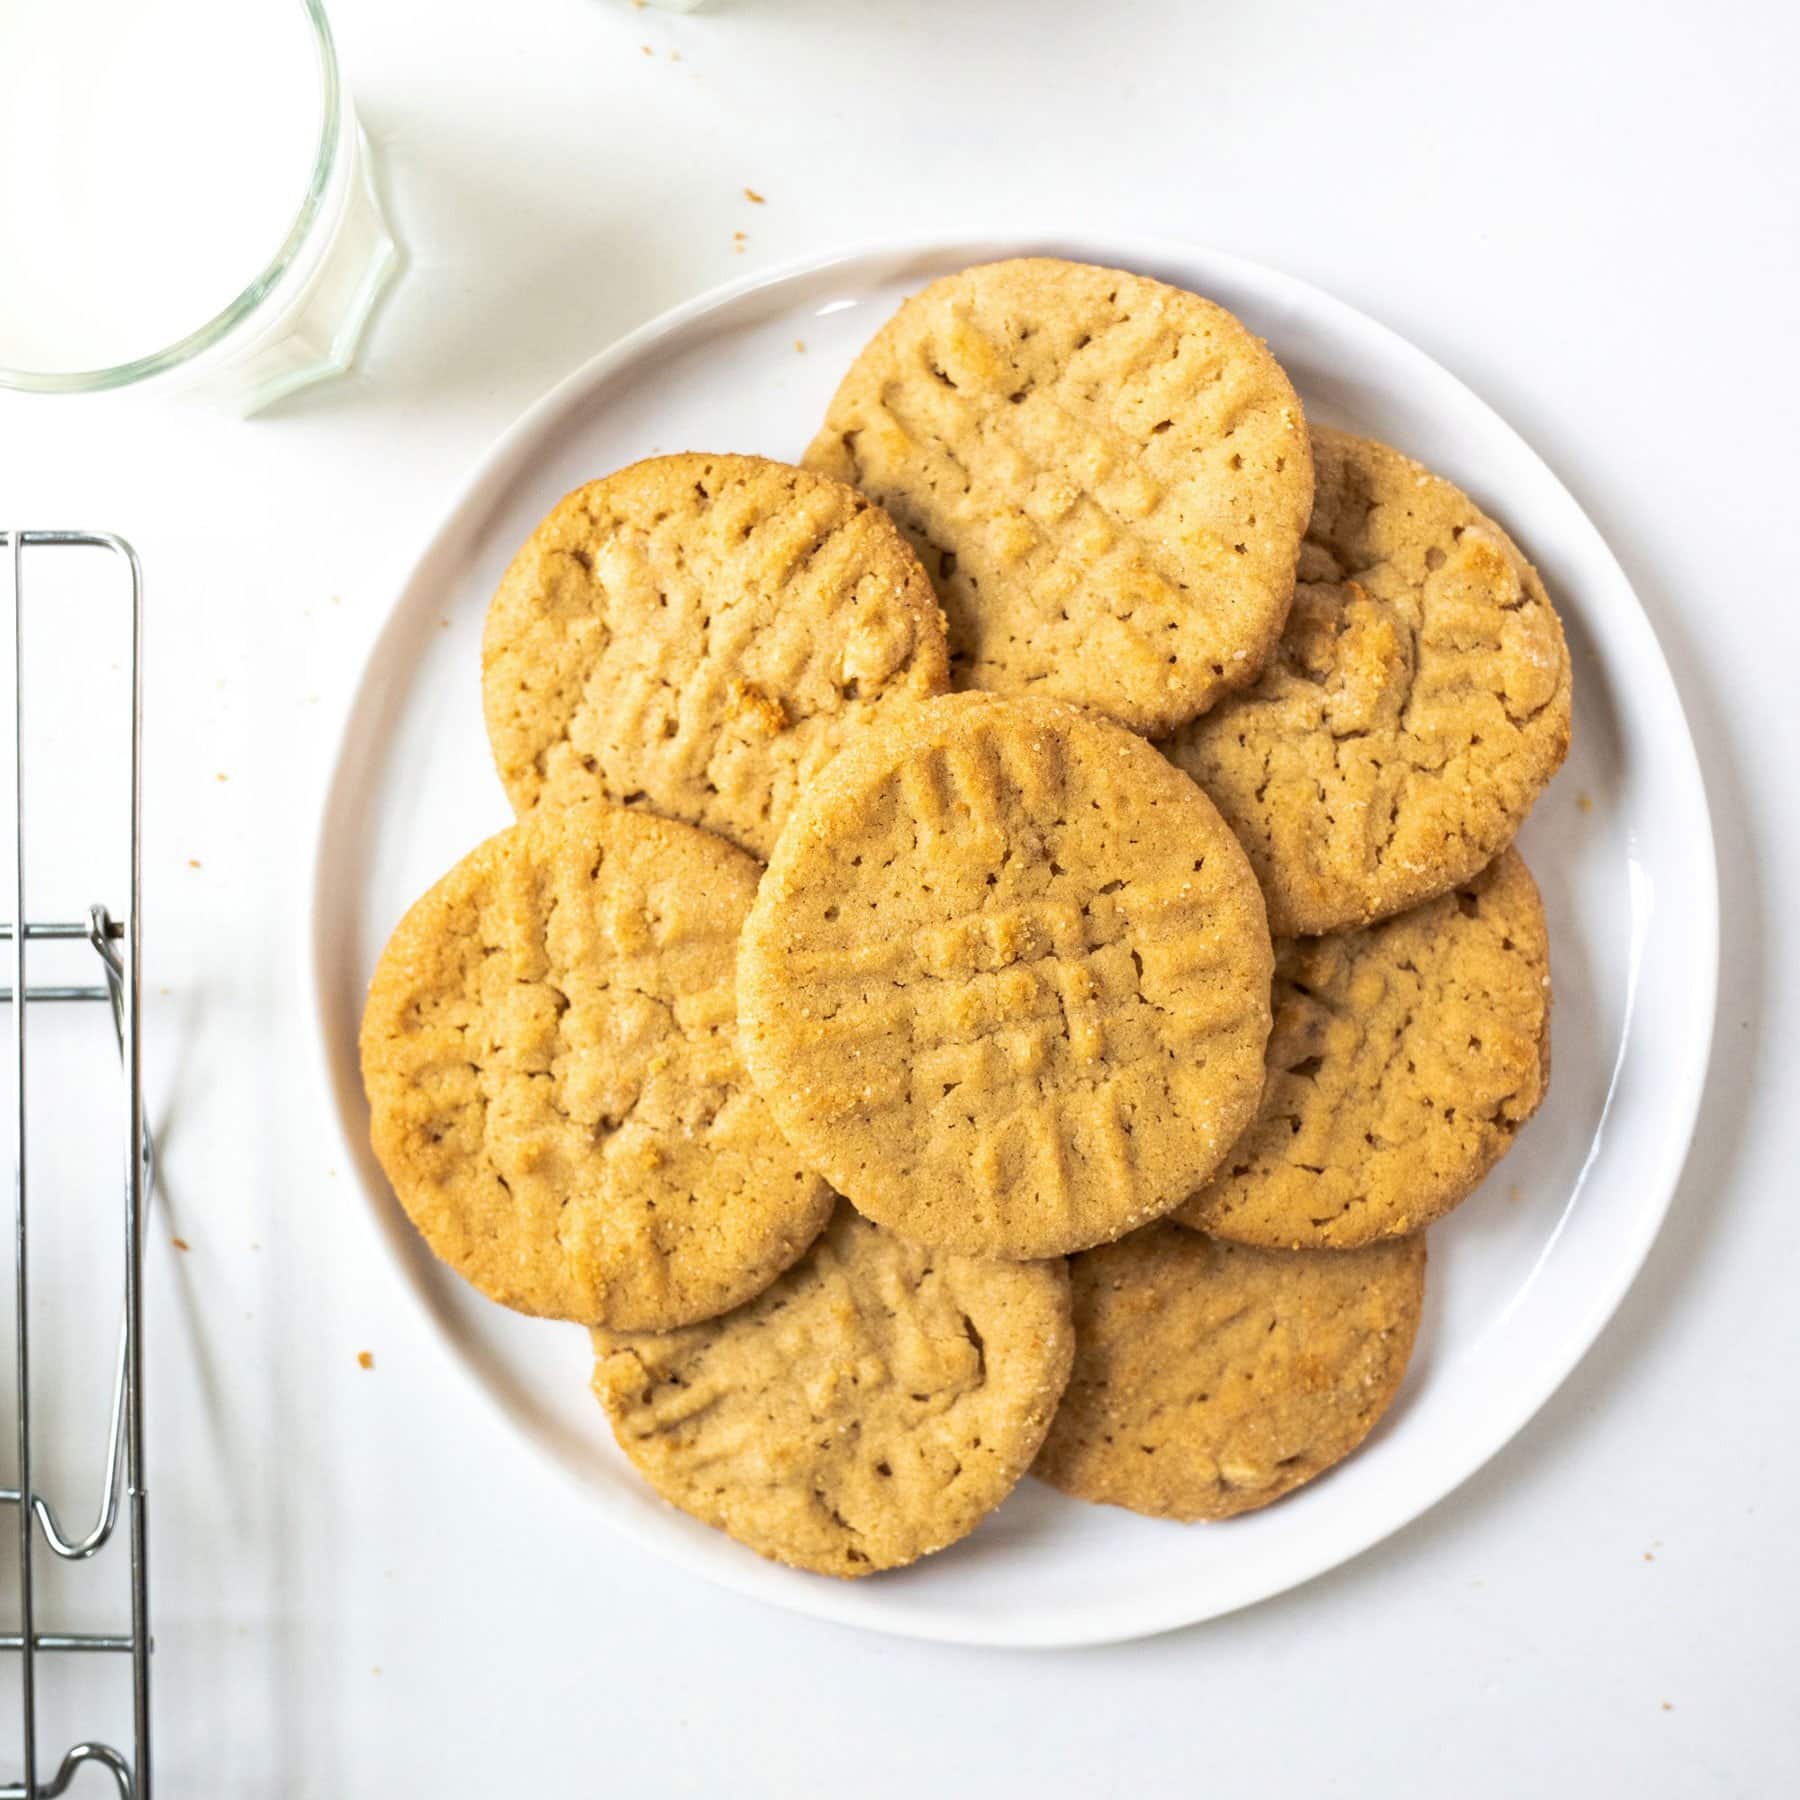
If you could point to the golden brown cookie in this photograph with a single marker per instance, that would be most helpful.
(700, 635)
(1404, 1059)
(1107, 478)
(550, 1053)
(1006, 980)
(1211, 1378)
(876, 1404)
(1418, 702)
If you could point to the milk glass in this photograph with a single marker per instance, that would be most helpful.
(186, 199)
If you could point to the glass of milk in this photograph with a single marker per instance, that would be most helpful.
(185, 199)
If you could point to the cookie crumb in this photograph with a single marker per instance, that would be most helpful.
(193, 862)
(181, 1243)
(365, 1359)
(1667, 1706)
(646, 49)
(1648, 1557)
(375, 1668)
(674, 56)
(1585, 801)
(800, 345)
(1515, 1192)
(767, 710)
(221, 776)
(754, 197)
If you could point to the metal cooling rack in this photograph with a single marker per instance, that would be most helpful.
(114, 941)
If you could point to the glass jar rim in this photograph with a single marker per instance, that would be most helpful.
(203, 337)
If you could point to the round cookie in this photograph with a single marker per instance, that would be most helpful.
(1417, 704)
(1404, 1059)
(701, 635)
(1006, 980)
(874, 1405)
(1211, 1379)
(1107, 478)
(550, 1054)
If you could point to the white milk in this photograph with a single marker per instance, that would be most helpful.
(153, 157)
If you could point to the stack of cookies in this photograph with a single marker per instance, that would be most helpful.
(1010, 936)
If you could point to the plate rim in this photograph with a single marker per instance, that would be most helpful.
(486, 479)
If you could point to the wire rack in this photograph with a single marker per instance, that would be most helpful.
(114, 941)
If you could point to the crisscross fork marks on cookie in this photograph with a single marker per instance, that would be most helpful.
(1093, 533)
(1009, 955)
(870, 1407)
(1418, 701)
(1404, 1059)
(557, 1094)
(1106, 477)
(1018, 993)
(1211, 1379)
(698, 634)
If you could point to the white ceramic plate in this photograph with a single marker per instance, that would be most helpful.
(1522, 1277)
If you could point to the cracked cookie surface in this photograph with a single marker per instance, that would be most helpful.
(874, 1405)
(1106, 477)
(1404, 1059)
(1006, 981)
(700, 635)
(550, 1054)
(1415, 707)
(1211, 1378)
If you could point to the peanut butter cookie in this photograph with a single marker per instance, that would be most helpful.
(1107, 478)
(1417, 704)
(1006, 980)
(700, 635)
(1211, 1379)
(1404, 1059)
(874, 1405)
(550, 1053)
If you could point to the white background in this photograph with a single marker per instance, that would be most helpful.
(362, 1587)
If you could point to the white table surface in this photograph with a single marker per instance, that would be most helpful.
(362, 1585)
